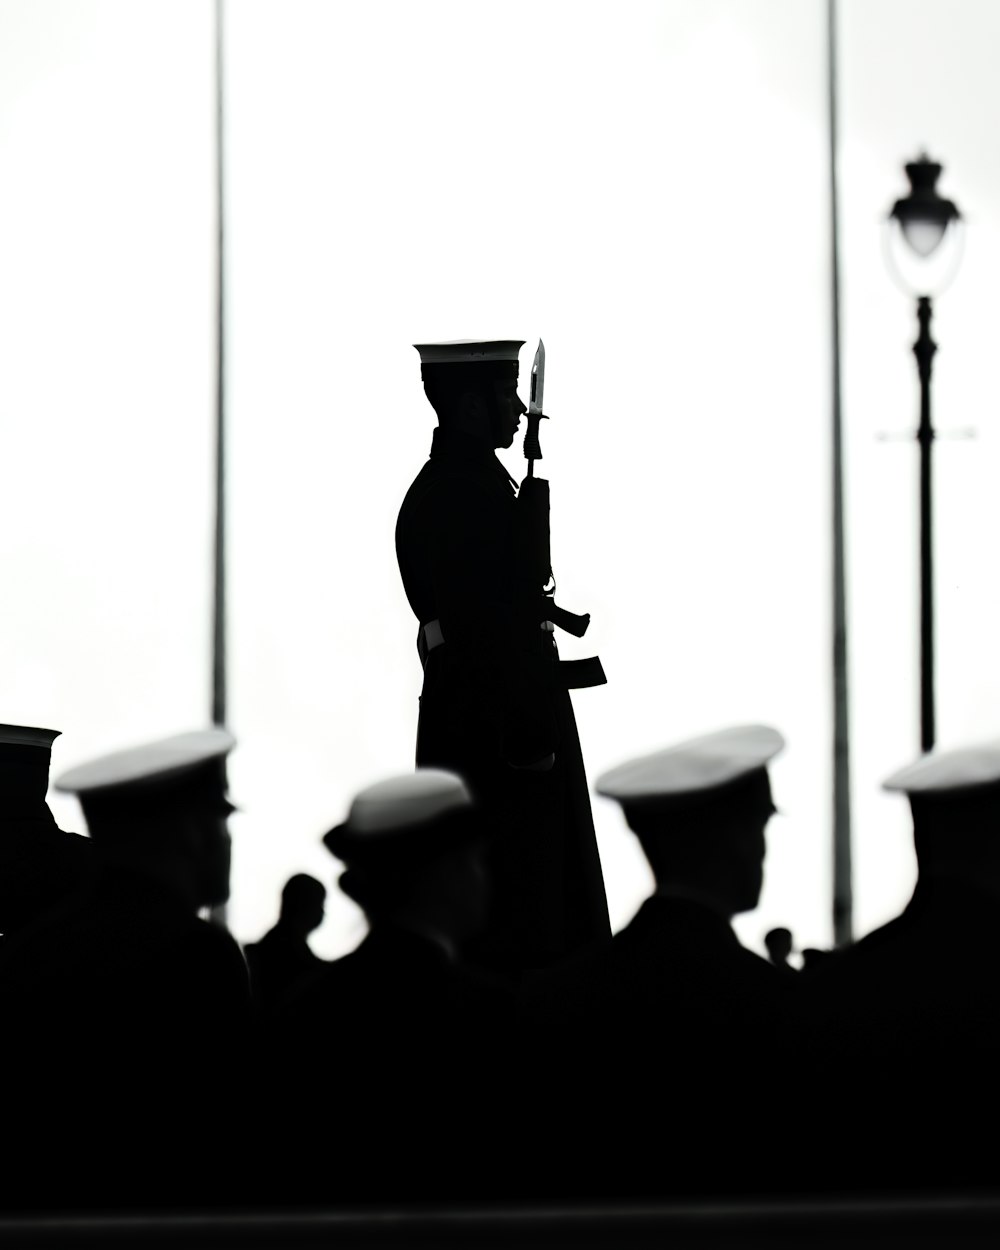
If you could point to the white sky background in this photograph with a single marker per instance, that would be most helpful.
(643, 185)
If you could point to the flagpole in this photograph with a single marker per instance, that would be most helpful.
(843, 903)
(219, 710)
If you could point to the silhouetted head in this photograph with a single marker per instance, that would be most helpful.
(412, 846)
(700, 810)
(303, 901)
(779, 946)
(472, 386)
(162, 809)
(40, 864)
(955, 801)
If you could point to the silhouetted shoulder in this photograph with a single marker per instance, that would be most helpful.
(669, 947)
(925, 973)
(212, 953)
(398, 980)
(468, 479)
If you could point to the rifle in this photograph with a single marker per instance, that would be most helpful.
(533, 506)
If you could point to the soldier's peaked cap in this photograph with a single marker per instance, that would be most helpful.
(470, 351)
(696, 769)
(153, 763)
(403, 813)
(945, 772)
(25, 751)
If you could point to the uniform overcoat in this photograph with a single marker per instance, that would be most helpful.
(414, 1045)
(492, 700)
(134, 1023)
(903, 1030)
(676, 1034)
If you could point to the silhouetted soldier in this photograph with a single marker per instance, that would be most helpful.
(158, 997)
(411, 1032)
(283, 960)
(43, 871)
(905, 1024)
(493, 706)
(674, 1023)
(41, 865)
(779, 948)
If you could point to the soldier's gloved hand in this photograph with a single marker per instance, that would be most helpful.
(539, 766)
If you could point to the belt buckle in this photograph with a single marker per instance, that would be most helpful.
(433, 636)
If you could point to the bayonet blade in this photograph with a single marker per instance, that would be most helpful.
(537, 380)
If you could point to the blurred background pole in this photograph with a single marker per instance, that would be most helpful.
(924, 238)
(218, 913)
(843, 902)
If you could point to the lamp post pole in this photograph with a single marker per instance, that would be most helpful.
(924, 350)
(922, 221)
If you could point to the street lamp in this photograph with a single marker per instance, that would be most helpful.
(923, 247)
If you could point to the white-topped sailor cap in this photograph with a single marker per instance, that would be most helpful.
(470, 352)
(947, 772)
(412, 815)
(185, 767)
(447, 369)
(954, 798)
(721, 768)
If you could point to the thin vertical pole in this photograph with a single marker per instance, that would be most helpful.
(218, 913)
(924, 350)
(219, 577)
(843, 902)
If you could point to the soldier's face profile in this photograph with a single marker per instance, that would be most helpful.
(749, 850)
(510, 409)
(758, 851)
(216, 856)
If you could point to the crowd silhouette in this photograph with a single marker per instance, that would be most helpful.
(489, 1039)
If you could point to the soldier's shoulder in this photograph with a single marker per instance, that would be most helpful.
(443, 476)
(860, 967)
(439, 487)
(763, 970)
(572, 982)
(209, 947)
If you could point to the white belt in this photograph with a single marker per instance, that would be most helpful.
(433, 636)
